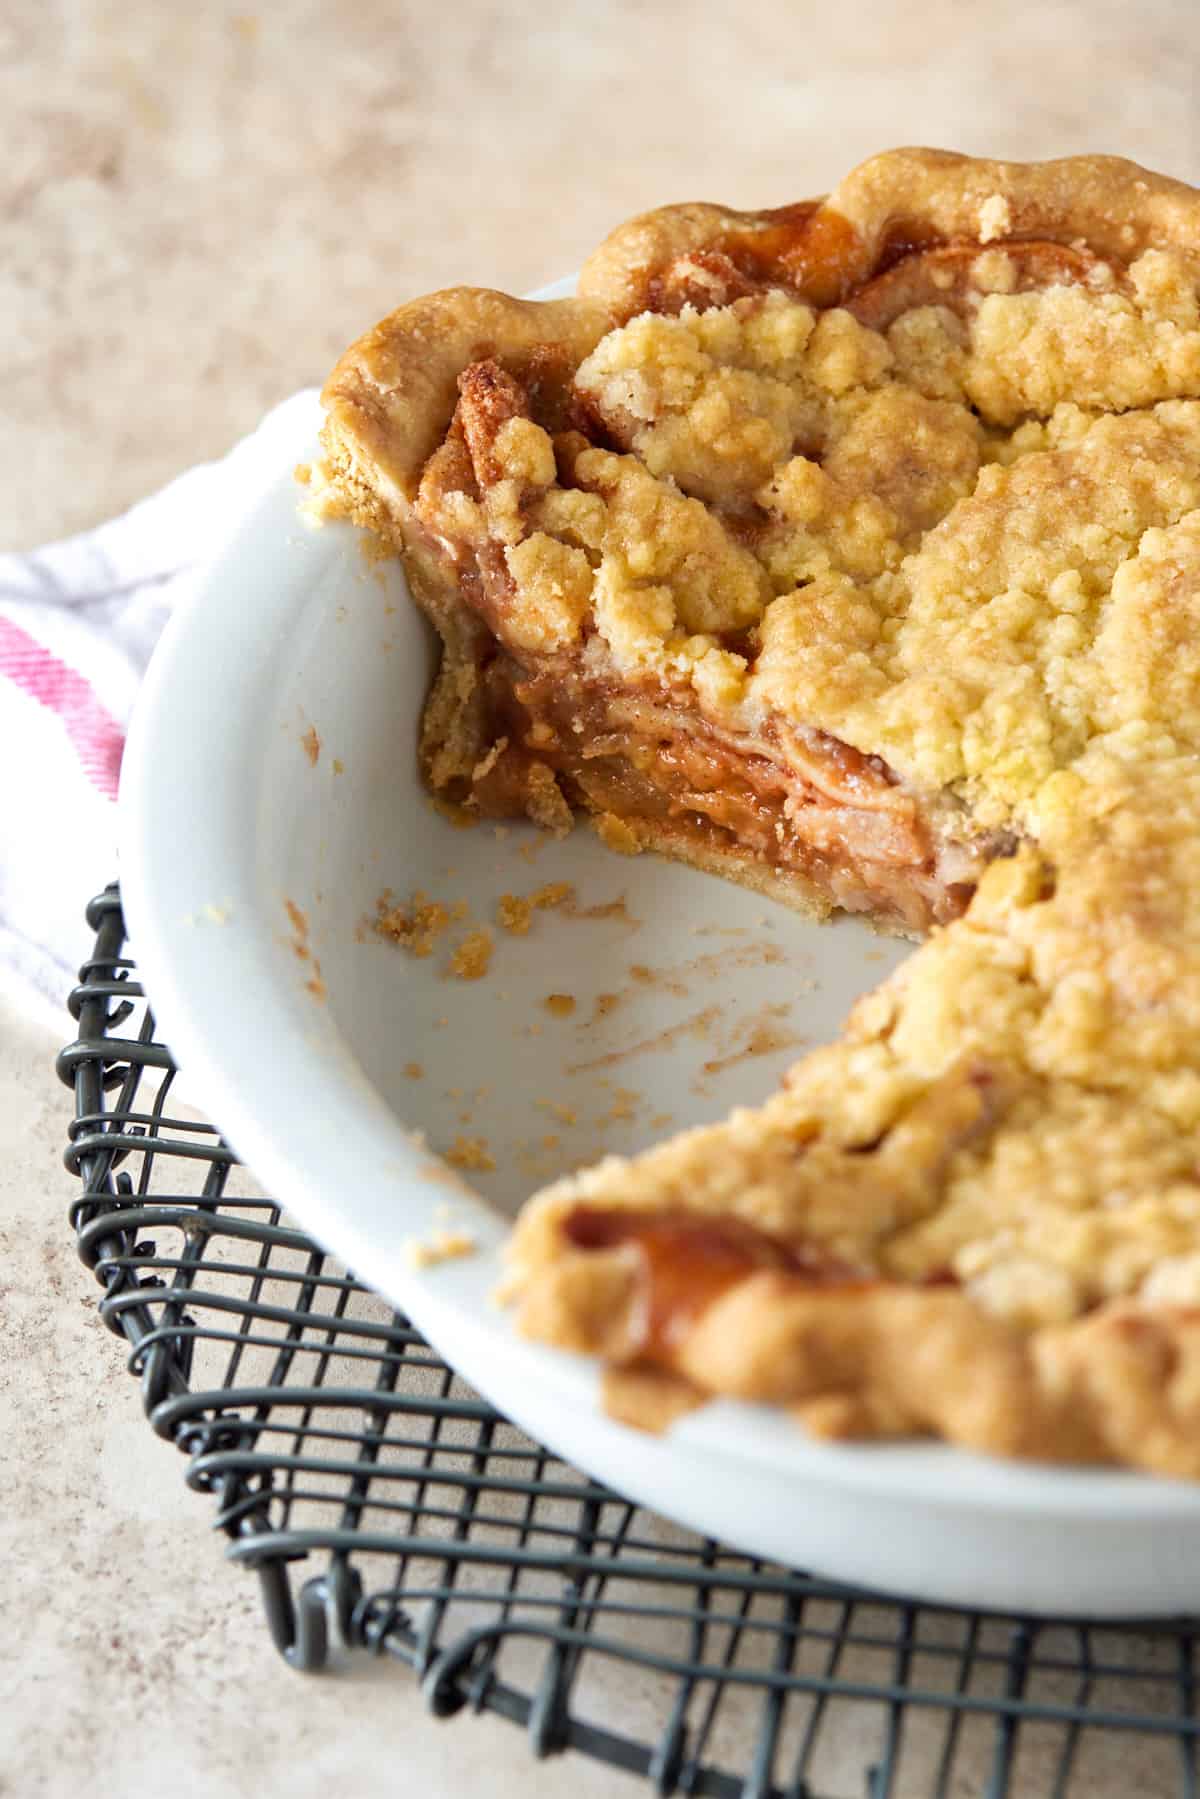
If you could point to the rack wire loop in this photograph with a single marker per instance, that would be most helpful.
(387, 1510)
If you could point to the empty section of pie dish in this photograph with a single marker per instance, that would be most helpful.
(270, 796)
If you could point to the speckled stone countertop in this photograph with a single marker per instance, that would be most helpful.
(199, 207)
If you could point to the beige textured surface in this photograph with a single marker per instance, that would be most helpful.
(199, 207)
(143, 1658)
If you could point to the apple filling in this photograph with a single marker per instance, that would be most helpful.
(791, 803)
(559, 722)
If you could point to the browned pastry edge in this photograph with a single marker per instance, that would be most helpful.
(878, 1359)
(901, 200)
(391, 396)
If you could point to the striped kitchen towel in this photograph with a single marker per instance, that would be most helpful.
(78, 623)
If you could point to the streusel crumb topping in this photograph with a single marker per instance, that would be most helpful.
(947, 543)
(1007, 610)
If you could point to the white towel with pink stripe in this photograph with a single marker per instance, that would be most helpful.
(78, 623)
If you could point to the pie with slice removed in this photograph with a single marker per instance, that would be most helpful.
(851, 550)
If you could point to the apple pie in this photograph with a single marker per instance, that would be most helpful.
(852, 550)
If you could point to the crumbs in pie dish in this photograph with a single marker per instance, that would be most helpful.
(445, 1244)
(851, 551)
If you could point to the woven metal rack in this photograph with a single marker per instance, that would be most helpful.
(386, 1509)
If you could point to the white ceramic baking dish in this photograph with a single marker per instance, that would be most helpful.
(227, 823)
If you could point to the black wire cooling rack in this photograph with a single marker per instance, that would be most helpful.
(386, 1509)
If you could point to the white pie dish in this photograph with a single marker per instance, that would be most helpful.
(224, 817)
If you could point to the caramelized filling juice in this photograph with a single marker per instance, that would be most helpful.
(686, 1262)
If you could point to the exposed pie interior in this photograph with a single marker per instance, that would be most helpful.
(852, 551)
